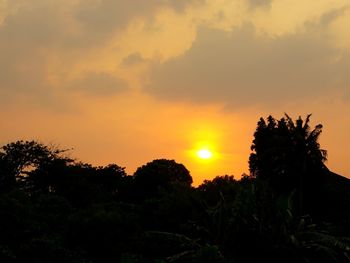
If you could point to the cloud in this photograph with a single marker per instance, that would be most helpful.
(51, 48)
(99, 84)
(133, 59)
(100, 18)
(45, 44)
(105, 16)
(26, 35)
(241, 68)
(259, 3)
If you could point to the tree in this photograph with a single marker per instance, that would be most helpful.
(161, 173)
(22, 155)
(7, 180)
(283, 150)
(17, 159)
(212, 191)
(287, 155)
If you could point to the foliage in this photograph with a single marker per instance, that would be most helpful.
(19, 158)
(291, 208)
(160, 174)
(284, 150)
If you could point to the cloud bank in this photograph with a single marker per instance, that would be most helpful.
(237, 55)
(243, 68)
(49, 48)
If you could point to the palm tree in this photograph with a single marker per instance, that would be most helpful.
(287, 154)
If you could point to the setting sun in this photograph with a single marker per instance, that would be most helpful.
(204, 154)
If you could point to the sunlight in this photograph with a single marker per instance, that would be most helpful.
(204, 148)
(204, 154)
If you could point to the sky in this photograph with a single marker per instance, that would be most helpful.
(130, 81)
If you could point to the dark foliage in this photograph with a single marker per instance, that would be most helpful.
(291, 208)
(160, 175)
(284, 151)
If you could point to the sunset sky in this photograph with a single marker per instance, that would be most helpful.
(129, 81)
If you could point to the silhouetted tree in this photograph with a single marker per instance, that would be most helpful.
(21, 157)
(285, 151)
(160, 174)
(287, 155)
(7, 179)
(212, 191)
(54, 209)
(78, 182)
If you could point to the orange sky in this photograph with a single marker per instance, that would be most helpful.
(129, 81)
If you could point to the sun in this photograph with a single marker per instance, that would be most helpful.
(204, 154)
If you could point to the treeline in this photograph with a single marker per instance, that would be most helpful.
(290, 208)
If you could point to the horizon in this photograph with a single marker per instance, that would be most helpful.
(202, 153)
(127, 83)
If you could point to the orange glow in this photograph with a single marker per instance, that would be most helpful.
(204, 154)
(158, 81)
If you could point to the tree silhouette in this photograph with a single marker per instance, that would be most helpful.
(291, 208)
(284, 150)
(287, 155)
(7, 179)
(21, 157)
(161, 174)
(212, 191)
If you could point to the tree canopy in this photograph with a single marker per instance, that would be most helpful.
(161, 174)
(285, 150)
(290, 208)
